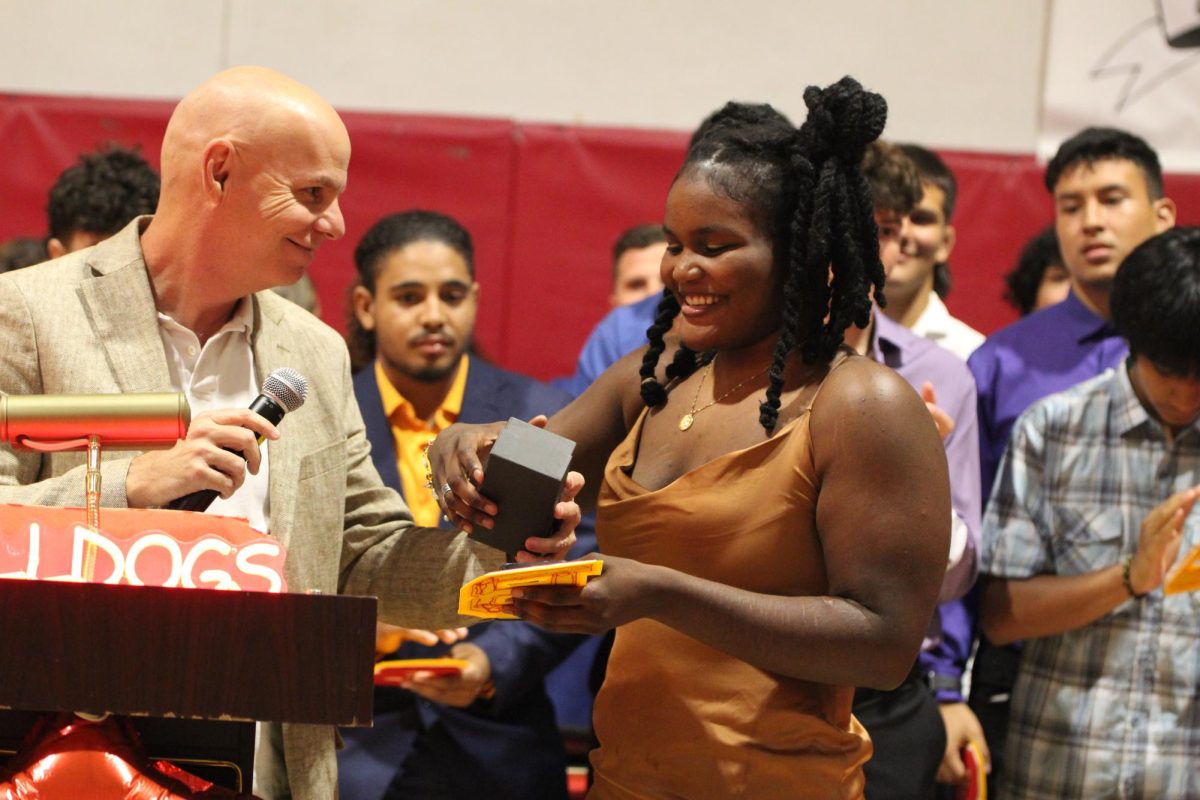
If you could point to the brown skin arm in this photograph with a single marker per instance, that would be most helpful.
(883, 516)
(1046, 605)
(596, 421)
(599, 419)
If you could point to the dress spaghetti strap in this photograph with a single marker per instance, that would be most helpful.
(843, 355)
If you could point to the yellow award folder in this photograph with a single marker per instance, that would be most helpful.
(489, 595)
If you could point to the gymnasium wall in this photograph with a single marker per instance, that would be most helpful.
(545, 126)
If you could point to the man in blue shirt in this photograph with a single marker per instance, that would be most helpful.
(622, 331)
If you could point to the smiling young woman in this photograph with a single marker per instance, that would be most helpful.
(787, 544)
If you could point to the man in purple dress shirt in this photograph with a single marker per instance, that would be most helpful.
(1108, 198)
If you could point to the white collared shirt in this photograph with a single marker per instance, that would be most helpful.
(936, 324)
(221, 375)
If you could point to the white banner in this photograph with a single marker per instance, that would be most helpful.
(1130, 64)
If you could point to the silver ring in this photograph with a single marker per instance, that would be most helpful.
(446, 489)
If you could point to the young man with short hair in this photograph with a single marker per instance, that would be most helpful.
(920, 278)
(1108, 198)
(1090, 510)
(413, 318)
(636, 262)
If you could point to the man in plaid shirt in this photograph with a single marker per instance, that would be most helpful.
(1090, 510)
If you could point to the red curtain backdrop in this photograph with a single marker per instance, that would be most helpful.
(543, 202)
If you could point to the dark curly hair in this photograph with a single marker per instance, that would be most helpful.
(1155, 301)
(101, 193)
(804, 188)
(391, 233)
(1023, 281)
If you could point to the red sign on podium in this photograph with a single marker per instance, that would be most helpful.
(140, 547)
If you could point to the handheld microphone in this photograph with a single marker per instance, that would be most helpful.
(133, 421)
(284, 390)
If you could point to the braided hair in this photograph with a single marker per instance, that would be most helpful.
(804, 188)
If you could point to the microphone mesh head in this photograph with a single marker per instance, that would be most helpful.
(287, 387)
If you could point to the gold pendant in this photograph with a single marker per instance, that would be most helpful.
(686, 421)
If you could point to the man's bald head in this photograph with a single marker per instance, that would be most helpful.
(253, 164)
(252, 107)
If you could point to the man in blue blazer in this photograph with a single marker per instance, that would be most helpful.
(493, 729)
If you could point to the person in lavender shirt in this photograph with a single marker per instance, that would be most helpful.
(1107, 189)
(915, 727)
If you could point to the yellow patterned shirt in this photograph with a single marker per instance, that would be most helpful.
(413, 435)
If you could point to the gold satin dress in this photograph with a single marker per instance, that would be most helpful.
(679, 719)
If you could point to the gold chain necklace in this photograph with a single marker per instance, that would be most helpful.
(688, 419)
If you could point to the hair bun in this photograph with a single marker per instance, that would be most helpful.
(842, 120)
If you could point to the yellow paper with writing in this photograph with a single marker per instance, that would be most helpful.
(488, 595)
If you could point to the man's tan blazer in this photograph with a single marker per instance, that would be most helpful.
(87, 323)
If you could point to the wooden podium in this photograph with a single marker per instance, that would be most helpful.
(191, 667)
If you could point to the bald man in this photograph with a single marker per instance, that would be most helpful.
(253, 165)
